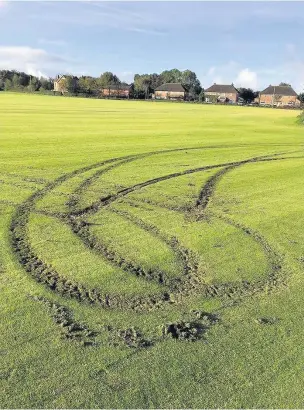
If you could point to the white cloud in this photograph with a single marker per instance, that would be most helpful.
(247, 79)
(221, 74)
(33, 71)
(34, 61)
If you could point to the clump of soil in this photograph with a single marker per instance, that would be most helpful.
(189, 331)
(206, 318)
(268, 320)
(132, 337)
(70, 328)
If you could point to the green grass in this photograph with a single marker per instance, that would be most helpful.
(246, 242)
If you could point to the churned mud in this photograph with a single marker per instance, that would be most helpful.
(189, 283)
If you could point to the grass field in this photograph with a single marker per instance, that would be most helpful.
(151, 255)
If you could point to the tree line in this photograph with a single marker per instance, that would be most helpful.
(142, 87)
(11, 80)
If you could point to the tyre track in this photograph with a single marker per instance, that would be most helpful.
(187, 257)
(106, 200)
(123, 160)
(82, 230)
(210, 186)
(46, 274)
(81, 227)
(275, 260)
(193, 284)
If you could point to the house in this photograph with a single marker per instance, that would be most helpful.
(116, 91)
(60, 83)
(171, 91)
(221, 93)
(279, 96)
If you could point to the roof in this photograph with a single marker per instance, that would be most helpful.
(62, 77)
(117, 87)
(59, 78)
(173, 87)
(222, 89)
(284, 90)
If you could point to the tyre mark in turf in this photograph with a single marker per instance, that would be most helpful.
(33, 264)
(188, 258)
(209, 187)
(43, 273)
(227, 289)
(81, 228)
(121, 161)
(74, 202)
(274, 258)
(49, 276)
(106, 200)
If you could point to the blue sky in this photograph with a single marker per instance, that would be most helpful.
(249, 43)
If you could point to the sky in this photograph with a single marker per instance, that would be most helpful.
(250, 44)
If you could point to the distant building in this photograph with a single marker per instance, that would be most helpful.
(116, 91)
(279, 96)
(171, 91)
(222, 93)
(60, 83)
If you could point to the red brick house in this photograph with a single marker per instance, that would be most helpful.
(279, 96)
(171, 91)
(116, 91)
(222, 93)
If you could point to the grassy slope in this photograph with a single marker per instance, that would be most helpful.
(241, 363)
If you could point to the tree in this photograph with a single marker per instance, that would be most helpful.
(155, 81)
(88, 85)
(19, 80)
(146, 83)
(46, 83)
(285, 84)
(16, 81)
(247, 94)
(33, 85)
(301, 97)
(190, 81)
(201, 96)
(7, 85)
(70, 84)
(107, 79)
(171, 76)
(142, 85)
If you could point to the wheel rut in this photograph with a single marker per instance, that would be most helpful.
(188, 284)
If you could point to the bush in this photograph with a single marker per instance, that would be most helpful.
(301, 118)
